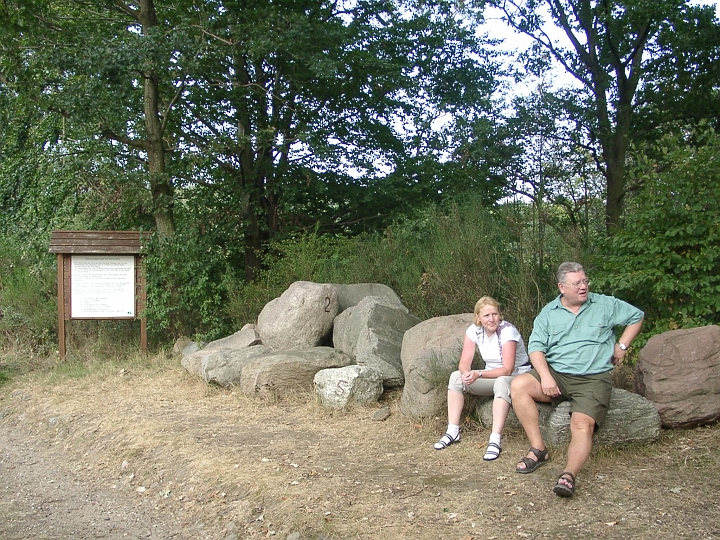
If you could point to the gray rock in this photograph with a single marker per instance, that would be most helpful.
(340, 387)
(351, 295)
(223, 366)
(247, 336)
(430, 352)
(301, 317)
(282, 373)
(184, 346)
(371, 333)
(180, 344)
(630, 419)
(483, 411)
(679, 372)
(380, 415)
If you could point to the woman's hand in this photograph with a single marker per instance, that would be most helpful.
(470, 377)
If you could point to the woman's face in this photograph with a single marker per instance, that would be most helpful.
(489, 318)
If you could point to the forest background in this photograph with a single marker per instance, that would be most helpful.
(265, 142)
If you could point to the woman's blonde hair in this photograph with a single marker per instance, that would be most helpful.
(486, 301)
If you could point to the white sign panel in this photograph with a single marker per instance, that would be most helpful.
(102, 286)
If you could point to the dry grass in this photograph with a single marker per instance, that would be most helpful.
(273, 468)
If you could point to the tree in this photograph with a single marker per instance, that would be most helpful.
(155, 117)
(306, 114)
(609, 48)
(667, 258)
(553, 169)
(102, 69)
(259, 118)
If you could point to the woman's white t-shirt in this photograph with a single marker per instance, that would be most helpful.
(491, 350)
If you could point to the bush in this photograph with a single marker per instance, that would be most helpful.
(666, 260)
(439, 263)
(187, 285)
(28, 299)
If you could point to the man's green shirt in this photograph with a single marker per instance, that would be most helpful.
(581, 344)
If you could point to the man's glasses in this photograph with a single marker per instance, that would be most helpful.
(577, 284)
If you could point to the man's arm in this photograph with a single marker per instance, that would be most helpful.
(629, 334)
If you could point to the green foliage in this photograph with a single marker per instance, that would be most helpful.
(312, 257)
(443, 261)
(28, 306)
(439, 262)
(634, 65)
(187, 284)
(666, 260)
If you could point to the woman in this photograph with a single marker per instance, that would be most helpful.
(501, 347)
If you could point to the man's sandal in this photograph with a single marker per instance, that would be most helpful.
(566, 489)
(446, 440)
(492, 452)
(532, 465)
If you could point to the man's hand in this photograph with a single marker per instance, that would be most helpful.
(549, 386)
(618, 355)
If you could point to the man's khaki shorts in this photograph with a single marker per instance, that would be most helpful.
(587, 394)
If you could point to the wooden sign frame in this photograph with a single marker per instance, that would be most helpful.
(100, 243)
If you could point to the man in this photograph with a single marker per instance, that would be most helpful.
(572, 349)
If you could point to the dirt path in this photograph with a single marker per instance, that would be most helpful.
(156, 454)
(43, 496)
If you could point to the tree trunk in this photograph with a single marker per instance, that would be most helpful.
(161, 187)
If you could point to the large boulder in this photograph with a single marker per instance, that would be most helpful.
(352, 385)
(351, 295)
(430, 352)
(221, 365)
(184, 346)
(630, 419)
(300, 318)
(247, 336)
(281, 373)
(371, 333)
(679, 372)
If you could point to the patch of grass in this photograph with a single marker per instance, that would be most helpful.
(70, 370)
(51, 370)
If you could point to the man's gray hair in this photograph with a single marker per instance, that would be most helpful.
(568, 268)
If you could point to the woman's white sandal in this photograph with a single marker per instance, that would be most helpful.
(492, 452)
(446, 440)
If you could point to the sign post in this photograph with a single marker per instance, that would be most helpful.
(99, 277)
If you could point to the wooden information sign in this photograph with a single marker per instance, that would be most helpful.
(99, 277)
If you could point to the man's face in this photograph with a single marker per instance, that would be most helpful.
(575, 288)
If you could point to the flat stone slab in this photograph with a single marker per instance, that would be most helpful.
(630, 419)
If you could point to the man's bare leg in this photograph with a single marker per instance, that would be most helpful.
(582, 428)
(526, 391)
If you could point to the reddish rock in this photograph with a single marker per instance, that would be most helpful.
(679, 372)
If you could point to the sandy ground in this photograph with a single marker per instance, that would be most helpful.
(158, 454)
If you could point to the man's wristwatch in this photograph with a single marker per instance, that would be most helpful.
(479, 374)
(622, 346)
